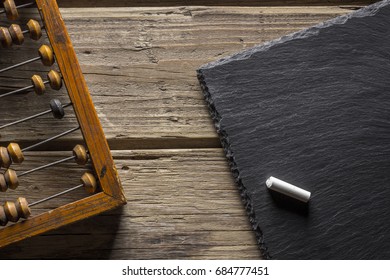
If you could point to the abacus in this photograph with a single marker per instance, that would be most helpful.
(58, 59)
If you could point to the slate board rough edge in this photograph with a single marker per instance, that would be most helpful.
(224, 138)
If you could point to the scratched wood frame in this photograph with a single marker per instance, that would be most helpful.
(111, 194)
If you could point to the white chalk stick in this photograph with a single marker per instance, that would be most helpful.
(287, 189)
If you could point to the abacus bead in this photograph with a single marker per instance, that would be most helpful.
(54, 79)
(10, 211)
(3, 216)
(35, 29)
(11, 178)
(16, 34)
(15, 152)
(80, 153)
(39, 85)
(3, 183)
(5, 160)
(5, 37)
(46, 54)
(57, 109)
(11, 10)
(89, 182)
(22, 208)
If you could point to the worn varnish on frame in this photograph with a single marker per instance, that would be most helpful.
(100, 182)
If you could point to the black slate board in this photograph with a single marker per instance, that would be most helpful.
(313, 109)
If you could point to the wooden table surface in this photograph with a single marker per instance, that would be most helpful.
(140, 65)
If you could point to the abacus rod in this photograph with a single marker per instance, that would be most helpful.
(56, 195)
(50, 139)
(26, 119)
(32, 117)
(21, 90)
(27, 31)
(46, 166)
(20, 64)
(20, 6)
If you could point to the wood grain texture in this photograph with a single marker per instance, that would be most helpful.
(169, 3)
(172, 211)
(111, 195)
(80, 97)
(182, 203)
(144, 84)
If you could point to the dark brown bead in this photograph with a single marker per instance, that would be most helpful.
(89, 182)
(16, 34)
(35, 29)
(3, 216)
(39, 85)
(5, 37)
(3, 183)
(11, 178)
(11, 212)
(55, 79)
(47, 55)
(80, 153)
(5, 160)
(10, 9)
(15, 153)
(23, 208)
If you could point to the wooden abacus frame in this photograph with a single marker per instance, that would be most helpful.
(111, 194)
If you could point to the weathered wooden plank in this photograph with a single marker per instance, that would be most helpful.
(181, 204)
(140, 67)
(152, 3)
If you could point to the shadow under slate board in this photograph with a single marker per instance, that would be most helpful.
(312, 109)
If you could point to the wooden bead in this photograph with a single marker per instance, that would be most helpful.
(23, 208)
(3, 216)
(11, 178)
(80, 153)
(15, 153)
(54, 79)
(11, 10)
(11, 212)
(47, 55)
(16, 34)
(5, 38)
(5, 159)
(34, 29)
(3, 183)
(57, 109)
(89, 182)
(39, 85)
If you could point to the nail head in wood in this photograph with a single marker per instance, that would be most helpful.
(10, 211)
(11, 10)
(16, 34)
(5, 159)
(89, 182)
(34, 29)
(47, 55)
(80, 153)
(5, 38)
(15, 153)
(39, 85)
(55, 79)
(23, 208)
(11, 178)
(57, 109)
